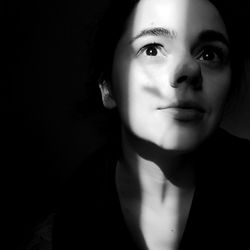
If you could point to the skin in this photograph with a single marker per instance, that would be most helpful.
(155, 176)
(142, 83)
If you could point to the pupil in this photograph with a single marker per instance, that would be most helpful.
(151, 51)
(209, 56)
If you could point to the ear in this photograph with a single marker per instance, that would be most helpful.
(107, 97)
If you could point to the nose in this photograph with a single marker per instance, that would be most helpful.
(186, 71)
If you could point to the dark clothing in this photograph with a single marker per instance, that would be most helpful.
(90, 217)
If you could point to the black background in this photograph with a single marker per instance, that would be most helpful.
(45, 104)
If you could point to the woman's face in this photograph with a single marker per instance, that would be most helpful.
(171, 72)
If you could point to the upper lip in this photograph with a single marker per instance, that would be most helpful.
(185, 105)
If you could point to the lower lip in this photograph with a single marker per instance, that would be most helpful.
(185, 115)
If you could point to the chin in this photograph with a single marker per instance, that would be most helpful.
(185, 145)
(181, 140)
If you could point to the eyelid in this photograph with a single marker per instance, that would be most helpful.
(212, 44)
(153, 44)
(221, 51)
(217, 50)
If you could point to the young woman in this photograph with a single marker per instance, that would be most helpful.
(171, 179)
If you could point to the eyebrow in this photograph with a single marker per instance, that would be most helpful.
(158, 31)
(204, 36)
(213, 36)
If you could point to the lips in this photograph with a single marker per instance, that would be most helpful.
(185, 111)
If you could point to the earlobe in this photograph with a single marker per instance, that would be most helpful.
(107, 97)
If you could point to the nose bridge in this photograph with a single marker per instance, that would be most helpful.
(185, 69)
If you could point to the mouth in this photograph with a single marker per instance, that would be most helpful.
(185, 111)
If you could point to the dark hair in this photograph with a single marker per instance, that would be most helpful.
(234, 17)
(109, 30)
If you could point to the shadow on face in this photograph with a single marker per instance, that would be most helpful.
(171, 72)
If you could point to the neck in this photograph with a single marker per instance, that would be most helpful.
(153, 173)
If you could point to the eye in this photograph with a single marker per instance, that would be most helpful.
(151, 49)
(211, 54)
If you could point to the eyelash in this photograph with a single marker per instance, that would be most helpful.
(217, 52)
(156, 46)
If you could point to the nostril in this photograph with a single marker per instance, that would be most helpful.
(182, 79)
(179, 81)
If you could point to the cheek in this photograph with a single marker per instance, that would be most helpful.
(123, 80)
(129, 81)
(133, 86)
(217, 89)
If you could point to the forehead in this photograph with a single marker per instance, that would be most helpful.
(185, 17)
